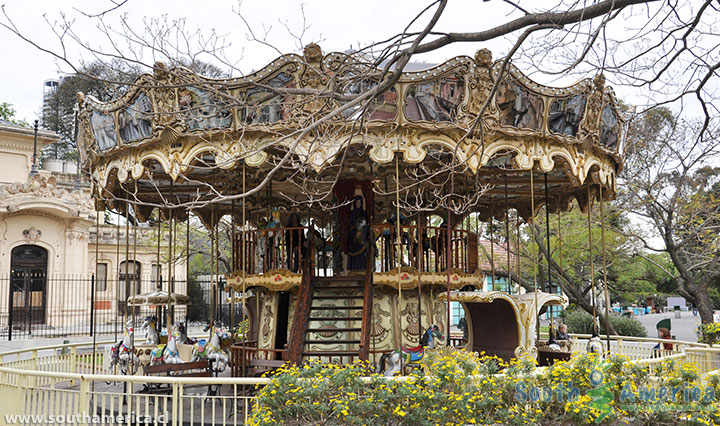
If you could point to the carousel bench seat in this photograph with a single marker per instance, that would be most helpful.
(184, 369)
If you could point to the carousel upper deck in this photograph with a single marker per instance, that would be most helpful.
(348, 189)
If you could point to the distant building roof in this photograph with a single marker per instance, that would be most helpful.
(499, 254)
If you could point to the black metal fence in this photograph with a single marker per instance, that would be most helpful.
(38, 306)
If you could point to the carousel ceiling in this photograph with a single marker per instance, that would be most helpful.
(176, 137)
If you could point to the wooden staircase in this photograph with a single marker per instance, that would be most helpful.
(333, 320)
(336, 311)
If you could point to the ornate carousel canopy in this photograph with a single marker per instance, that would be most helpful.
(179, 138)
(158, 297)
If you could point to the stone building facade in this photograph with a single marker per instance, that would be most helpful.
(49, 243)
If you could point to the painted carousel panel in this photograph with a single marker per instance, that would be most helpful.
(519, 107)
(261, 107)
(566, 114)
(135, 121)
(202, 109)
(104, 130)
(609, 127)
(436, 101)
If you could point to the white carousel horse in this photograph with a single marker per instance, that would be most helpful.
(152, 337)
(182, 337)
(166, 354)
(409, 355)
(212, 349)
(123, 352)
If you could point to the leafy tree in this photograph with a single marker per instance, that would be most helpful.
(103, 80)
(670, 183)
(7, 113)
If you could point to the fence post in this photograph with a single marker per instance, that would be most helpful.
(10, 312)
(92, 303)
(73, 363)
(175, 398)
(85, 399)
(619, 346)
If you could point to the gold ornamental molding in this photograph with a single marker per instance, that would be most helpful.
(522, 305)
(167, 120)
(408, 278)
(273, 280)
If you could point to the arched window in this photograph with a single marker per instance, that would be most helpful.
(128, 281)
(28, 271)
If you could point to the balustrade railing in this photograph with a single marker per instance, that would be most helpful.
(425, 248)
(259, 250)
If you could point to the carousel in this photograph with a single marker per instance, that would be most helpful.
(355, 218)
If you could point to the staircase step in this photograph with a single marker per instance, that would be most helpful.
(330, 342)
(331, 353)
(339, 278)
(339, 287)
(336, 308)
(316, 330)
(338, 296)
(335, 319)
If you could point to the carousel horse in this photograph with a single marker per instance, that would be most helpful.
(123, 352)
(182, 337)
(409, 355)
(212, 349)
(152, 337)
(166, 353)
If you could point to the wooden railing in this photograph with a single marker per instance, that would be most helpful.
(271, 248)
(425, 248)
(301, 317)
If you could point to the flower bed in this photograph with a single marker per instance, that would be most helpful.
(457, 387)
(709, 333)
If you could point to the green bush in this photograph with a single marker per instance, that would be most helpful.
(460, 388)
(579, 321)
(708, 333)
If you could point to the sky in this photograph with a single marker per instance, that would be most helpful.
(335, 25)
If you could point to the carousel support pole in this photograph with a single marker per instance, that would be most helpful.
(218, 282)
(244, 357)
(398, 247)
(592, 265)
(517, 247)
(492, 245)
(187, 260)
(231, 291)
(448, 257)
(158, 271)
(560, 278)
(93, 288)
(419, 265)
(534, 256)
(117, 281)
(605, 282)
(213, 271)
(136, 276)
(171, 232)
(548, 289)
(507, 238)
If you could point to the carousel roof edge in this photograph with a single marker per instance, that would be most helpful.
(489, 296)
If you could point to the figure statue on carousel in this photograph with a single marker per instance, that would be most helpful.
(272, 258)
(358, 236)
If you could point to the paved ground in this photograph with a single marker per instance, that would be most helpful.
(682, 328)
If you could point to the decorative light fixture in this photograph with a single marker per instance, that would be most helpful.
(33, 169)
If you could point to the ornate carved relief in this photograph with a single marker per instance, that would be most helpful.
(32, 235)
